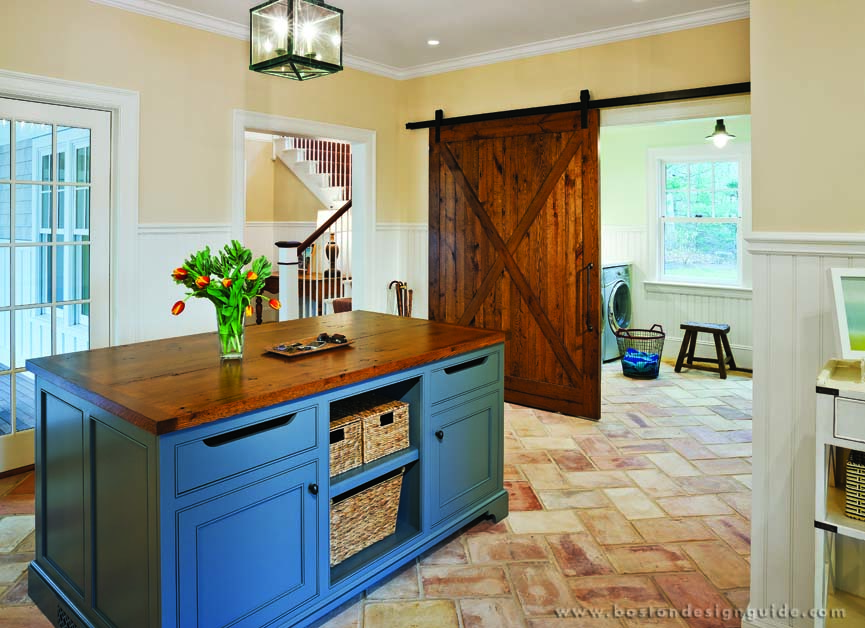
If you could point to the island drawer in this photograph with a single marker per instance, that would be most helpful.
(463, 375)
(235, 450)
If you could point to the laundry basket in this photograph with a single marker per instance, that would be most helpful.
(641, 351)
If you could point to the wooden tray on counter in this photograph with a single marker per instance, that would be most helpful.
(291, 348)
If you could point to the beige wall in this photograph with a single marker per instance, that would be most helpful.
(711, 55)
(189, 81)
(807, 105)
(259, 181)
(273, 192)
(292, 200)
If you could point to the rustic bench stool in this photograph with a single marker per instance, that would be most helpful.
(689, 343)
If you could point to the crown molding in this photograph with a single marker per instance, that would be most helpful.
(187, 17)
(696, 19)
(178, 15)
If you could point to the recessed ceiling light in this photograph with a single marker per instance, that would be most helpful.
(433, 42)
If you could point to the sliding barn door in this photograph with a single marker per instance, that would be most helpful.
(513, 231)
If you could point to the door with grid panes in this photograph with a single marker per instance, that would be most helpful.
(54, 249)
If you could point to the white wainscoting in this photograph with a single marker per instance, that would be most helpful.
(672, 306)
(162, 248)
(794, 334)
(260, 236)
(402, 253)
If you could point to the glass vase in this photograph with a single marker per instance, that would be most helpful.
(229, 327)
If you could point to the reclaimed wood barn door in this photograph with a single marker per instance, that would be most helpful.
(514, 230)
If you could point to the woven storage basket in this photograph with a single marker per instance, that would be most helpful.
(385, 423)
(854, 506)
(360, 519)
(346, 444)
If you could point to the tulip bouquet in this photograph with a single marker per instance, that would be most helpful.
(225, 280)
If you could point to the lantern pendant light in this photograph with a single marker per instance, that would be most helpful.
(720, 137)
(297, 39)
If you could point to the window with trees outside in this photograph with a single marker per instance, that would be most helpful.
(700, 212)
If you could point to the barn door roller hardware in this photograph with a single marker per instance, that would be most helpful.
(584, 105)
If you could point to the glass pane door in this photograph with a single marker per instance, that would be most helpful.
(47, 187)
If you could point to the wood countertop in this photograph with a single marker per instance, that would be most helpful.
(168, 385)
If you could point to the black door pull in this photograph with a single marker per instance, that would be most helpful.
(313, 488)
(588, 268)
(440, 435)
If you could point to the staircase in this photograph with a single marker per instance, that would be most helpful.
(324, 166)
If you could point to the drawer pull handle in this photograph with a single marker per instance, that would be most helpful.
(249, 430)
(337, 436)
(440, 435)
(313, 488)
(456, 368)
(386, 419)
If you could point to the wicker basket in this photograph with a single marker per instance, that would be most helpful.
(854, 506)
(364, 516)
(346, 444)
(385, 423)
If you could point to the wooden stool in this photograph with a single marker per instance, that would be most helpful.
(689, 343)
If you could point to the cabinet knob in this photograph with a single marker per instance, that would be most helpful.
(440, 435)
(313, 488)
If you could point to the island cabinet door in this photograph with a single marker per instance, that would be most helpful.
(250, 556)
(466, 455)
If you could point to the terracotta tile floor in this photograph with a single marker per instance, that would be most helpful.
(647, 509)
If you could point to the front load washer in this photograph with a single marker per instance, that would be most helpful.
(615, 306)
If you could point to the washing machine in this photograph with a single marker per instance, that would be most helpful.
(615, 306)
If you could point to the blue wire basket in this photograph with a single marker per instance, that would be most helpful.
(641, 351)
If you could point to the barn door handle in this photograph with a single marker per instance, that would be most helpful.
(588, 268)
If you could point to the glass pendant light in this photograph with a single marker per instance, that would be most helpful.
(720, 137)
(297, 39)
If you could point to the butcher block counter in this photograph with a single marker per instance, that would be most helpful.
(175, 490)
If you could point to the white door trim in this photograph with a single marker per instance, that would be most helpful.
(124, 108)
(363, 151)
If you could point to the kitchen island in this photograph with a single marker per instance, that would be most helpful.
(174, 490)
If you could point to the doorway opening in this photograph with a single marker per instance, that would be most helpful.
(340, 162)
(294, 186)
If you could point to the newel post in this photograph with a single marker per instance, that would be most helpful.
(288, 295)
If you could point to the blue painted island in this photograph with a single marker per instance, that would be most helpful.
(177, 491)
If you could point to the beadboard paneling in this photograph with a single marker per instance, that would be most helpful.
(402, 253)
(671, 309)
(259, 237)
(794, 334)
(161, 248)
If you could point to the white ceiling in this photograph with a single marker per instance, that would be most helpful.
(389, 36)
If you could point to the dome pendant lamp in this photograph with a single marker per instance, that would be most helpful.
(297, 39)
(720, 137)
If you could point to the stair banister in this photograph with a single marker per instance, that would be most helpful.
(323, 228)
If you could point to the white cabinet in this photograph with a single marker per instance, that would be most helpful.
(839, 585)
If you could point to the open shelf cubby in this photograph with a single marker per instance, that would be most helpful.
(408, 524)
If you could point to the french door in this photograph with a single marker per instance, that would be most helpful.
(54, 243)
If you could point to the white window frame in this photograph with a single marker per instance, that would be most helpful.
(657, 158)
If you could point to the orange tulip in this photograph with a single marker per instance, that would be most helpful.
(226, 282)
(203, 281)
(249, 310)
(177, 308)
(252, 275)
(179, 274)
(275, 304)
